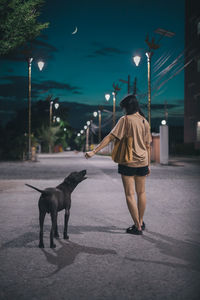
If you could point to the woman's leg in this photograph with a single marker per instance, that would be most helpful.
(128, 182)
(141, 195)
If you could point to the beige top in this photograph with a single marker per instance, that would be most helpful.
(140, 131)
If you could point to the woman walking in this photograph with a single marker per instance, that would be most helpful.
(133, 173)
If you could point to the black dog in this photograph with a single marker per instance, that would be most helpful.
(54, 200)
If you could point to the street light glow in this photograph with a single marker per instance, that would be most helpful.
(163, 122)
(56, 105)
(78, 134)
(65, 129)
(88, 123)
(95, 114)
(136, 60)
(81, 131)
(58, 119)
(40, 65)
(85, 127)
(107, 96)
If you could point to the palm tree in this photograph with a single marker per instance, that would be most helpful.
(48, 136)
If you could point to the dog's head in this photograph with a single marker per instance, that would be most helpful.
(75, 178)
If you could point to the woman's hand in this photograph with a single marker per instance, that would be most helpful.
(149, 171)
(89, 154)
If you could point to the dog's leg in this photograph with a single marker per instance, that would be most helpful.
(41, 220)
(56, 234)
(67, 214)
(54, 222)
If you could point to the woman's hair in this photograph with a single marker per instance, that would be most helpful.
(131, 105)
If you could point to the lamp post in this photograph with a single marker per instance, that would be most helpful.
(29, 107)
(152, 46)
(56, 105)
(149, 55)
(136, 60)
(95, 114)
(107, 96)
(40, 66)
(87, 128)
(99, 125)
(50, 113)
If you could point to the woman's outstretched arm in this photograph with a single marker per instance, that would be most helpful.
(102, 145)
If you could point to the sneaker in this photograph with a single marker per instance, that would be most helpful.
(133, 226)
(134, 230)
(143, 226)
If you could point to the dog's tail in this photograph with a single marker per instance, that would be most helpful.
(33, 187)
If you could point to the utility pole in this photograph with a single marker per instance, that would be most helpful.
(128, 82)
(135, 86)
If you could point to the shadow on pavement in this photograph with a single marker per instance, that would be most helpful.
(26, 240)
(188, 251)
(23, 240)
(67, 253)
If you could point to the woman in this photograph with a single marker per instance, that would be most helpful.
(133, 173)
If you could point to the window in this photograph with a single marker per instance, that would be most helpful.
(198, 131)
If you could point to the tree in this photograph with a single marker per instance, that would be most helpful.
(48, 136)
(19, 23)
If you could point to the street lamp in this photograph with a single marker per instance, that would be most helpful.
(107, 96)
(56, 105)
(95, 114)
(82, 131)
(40, 66)
(136, 60)
(58, 119)
(87, 135)
(163, 122)
(50, 113)
(99, 112)
(152, 46)
(85, 127)
(78, 134)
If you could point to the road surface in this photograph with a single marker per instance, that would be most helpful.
(100, 261)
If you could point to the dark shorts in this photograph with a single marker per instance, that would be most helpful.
(132, 171)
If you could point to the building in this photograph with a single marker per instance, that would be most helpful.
(192, 74)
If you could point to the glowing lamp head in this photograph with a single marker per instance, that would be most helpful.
(88, 123)
(78, 134)
(81, 131)
(95, 114)
(58, 119)
(163, 122)
(56, 105)
(107, 96)
(65, 129)
(136, 60)
(85, 127)
(40, 65)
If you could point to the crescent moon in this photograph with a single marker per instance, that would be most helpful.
(75, 31)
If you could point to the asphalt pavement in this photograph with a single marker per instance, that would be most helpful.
(100, 261)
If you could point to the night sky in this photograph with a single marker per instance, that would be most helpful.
(82, 67)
